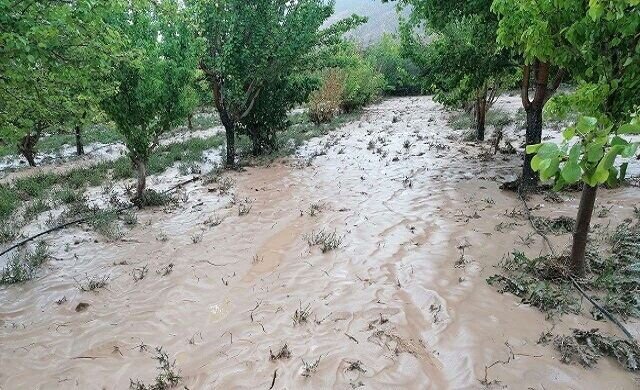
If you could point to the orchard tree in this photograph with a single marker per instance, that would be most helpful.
(588, 154)
(53, 56)
(537, 31)
(253, 47)
(595, 149)
(457, 53)
(154, 81)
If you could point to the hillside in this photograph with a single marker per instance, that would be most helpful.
(382, 18)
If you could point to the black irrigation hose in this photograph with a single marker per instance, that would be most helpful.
(85, 219)
(575, 283)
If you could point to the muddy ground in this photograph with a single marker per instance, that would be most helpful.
(403, 301)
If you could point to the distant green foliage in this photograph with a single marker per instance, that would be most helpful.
(401, 75)
(54, 57)
(362, 82)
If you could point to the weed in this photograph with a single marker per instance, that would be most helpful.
(162, 237)
(301, 316)
(327, 241)
(105, 223)
(67, 196)
(35, 208)
(129, 218)
(92, 283)
(283, 353)
(557, 226)
(8, 233)
(586, 347)
(166, 270)
(244, 208)
(151, 198)
(214, 220)
(196, 238)
(541, 282)
(167, 377)
(139, 273)
(309, 368)
(356, 366)
(23, 266)
(315, 209)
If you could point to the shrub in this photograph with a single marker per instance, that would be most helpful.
(325, 103)
(362, 85)
(400, 74)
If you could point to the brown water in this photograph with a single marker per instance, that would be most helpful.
(390, 297)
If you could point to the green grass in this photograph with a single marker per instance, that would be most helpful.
(69, 187)
(102, 133)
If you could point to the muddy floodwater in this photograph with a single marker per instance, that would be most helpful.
(401, 303)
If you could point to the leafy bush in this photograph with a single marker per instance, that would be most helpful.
(362, 85)
(400, 74)
(325, 103)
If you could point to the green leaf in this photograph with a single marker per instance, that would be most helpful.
(586, 124)
(629, 150)
(629, 128)
(568, 133)
(551, 169)
(531, 149)
(536, 162)
(571, 172)
(548, 150)
(574, 153)
(594, 152)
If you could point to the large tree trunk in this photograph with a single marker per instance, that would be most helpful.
(26, 146)
(480, 114)
(585, 211)
(231, 145)
(79, 146)
(141, 172)
(533, 136)
(534, 108)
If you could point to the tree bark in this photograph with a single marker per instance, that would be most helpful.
(27, 145)
(141, 171)
(585, 211)
(190, 122)
(534, 109)
(533, 136)
(480, 113)
(79, 146)
(231, 146)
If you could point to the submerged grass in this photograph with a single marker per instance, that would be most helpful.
(588, 346)
(23, 266)
(69, 187)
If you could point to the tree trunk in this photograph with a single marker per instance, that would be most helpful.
(480, 116)
(231, 145)
(533, 136)
(141, 171)
(534, 112)
(585, 211)
(190, 122)
(26, 146)
(79, 146)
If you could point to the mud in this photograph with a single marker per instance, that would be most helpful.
(396, 297)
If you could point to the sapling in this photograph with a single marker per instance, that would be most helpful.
(588, 154)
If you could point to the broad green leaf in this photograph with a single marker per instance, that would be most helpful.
(629, 128)
(548, 150)
(574, 153)
(551, 169)
(571, 172)
(536, 161)
(568, 133)
(586, 124)
(531, 149)
(594, 152)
